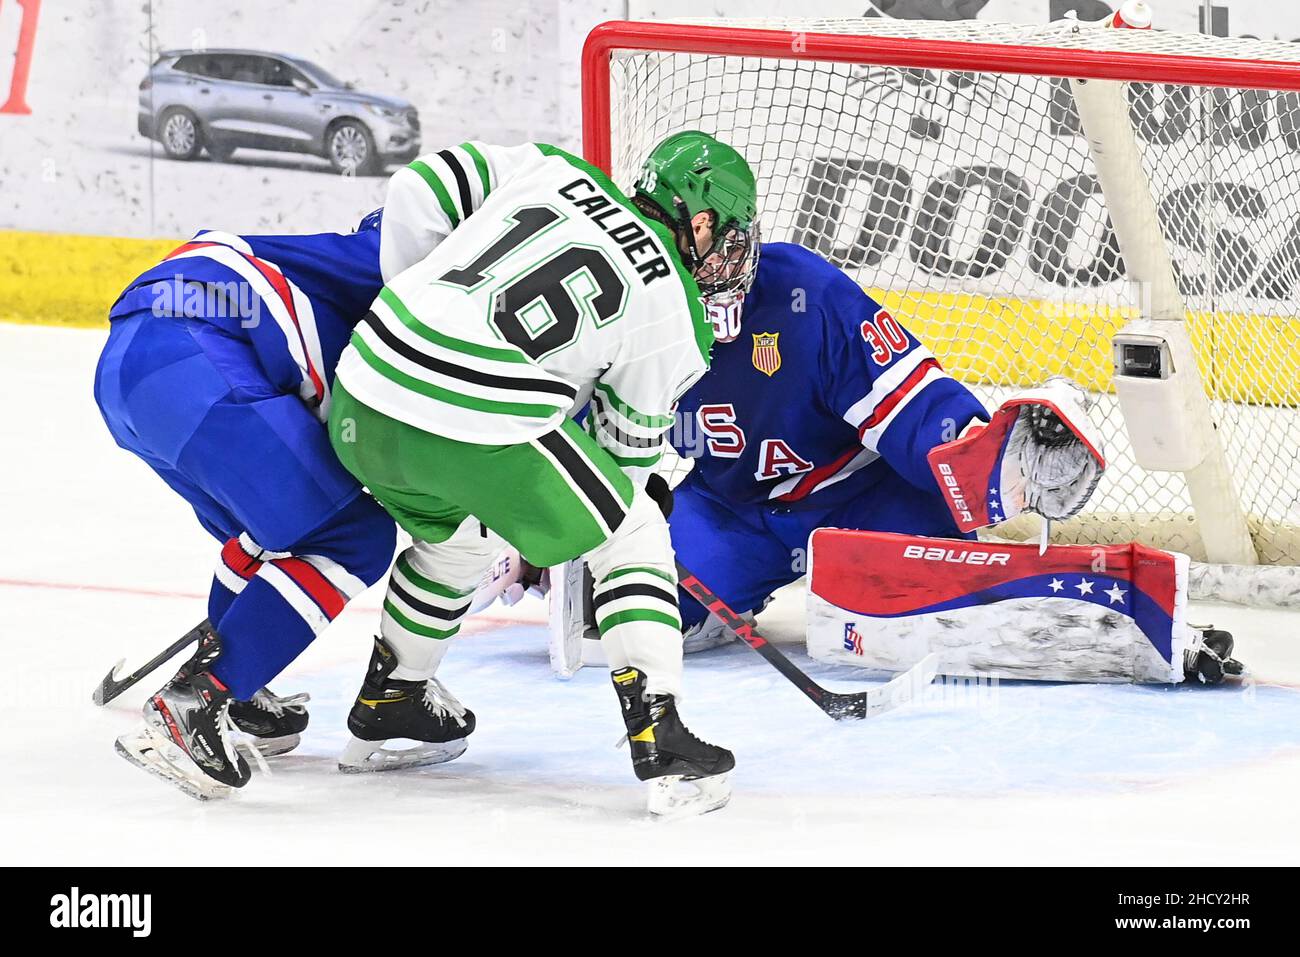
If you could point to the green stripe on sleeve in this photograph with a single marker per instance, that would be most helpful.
(431, 391)
(631, 414)
(481, 165)
(439, 190)
(441, 338)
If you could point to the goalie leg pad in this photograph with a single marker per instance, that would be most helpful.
(1074, 613)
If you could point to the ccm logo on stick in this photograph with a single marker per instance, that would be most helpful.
(953, 489)
(954, 556)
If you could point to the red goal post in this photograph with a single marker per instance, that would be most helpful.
(616, 35)
(840, 120)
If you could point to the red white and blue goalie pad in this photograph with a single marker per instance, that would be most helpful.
(1075, 613)
(983, 484)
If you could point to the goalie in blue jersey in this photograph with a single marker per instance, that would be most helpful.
(821, 410)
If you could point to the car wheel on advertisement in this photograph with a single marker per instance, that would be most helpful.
(178, 131)
(351, 149)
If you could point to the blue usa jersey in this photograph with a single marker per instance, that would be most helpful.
(293, 299)
(822, 398)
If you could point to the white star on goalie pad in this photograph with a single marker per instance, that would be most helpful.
(1056, 584)
(1085, 587)
(1116, 594)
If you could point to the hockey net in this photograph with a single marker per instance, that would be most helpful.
(966, 200)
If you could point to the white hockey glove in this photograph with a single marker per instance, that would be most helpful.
(509, 578)
(1039, 453)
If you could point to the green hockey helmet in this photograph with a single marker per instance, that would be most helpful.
(691, 172)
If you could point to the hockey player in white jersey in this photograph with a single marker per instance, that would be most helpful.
(521, 285)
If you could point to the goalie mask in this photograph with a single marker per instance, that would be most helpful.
(725, 308)
(726, 272)
(690, 173)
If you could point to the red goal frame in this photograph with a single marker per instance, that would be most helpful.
(609, 37)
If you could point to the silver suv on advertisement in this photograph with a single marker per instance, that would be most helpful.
(221, 100)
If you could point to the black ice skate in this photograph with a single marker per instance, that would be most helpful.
(274, 725)
(1210, 660)
(389, 710)
(686, 775)
(187, 737)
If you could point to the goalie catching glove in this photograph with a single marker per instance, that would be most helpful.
(1039, 453)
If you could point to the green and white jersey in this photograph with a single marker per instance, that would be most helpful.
(522, 284)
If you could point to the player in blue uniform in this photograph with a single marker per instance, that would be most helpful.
(217, 373)
(819, 410)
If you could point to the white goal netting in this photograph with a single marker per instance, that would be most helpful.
(968, 203)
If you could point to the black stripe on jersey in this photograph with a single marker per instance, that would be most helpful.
(622, 438)
(462, 180)
(403, 348)
(632, 591)
(585, 476)
(423, 607)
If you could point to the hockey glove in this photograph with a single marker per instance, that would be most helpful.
(1040, 453)
(656, 486)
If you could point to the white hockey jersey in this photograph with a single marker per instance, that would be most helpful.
(521, 284)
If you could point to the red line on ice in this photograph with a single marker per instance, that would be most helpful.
(480, 619)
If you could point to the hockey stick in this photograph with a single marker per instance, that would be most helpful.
(862, 704)
(112, 686)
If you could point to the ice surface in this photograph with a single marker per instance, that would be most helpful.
(100, 561)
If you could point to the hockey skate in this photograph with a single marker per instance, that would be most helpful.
(271, 724)
(1209, 660)
(389, 710)
(686, 775)
(187, 736)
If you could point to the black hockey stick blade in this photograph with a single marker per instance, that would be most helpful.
(112, 685)
(862, 704)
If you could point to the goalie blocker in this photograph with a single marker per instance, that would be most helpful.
(1115, 613)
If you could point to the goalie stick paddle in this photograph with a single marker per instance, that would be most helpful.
(861, 704)
(112, 686)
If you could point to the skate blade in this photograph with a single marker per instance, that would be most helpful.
(363, 756)
(675, 796)
(271, 747)
(159, 756)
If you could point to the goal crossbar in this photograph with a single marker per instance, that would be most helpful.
(608, 38)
